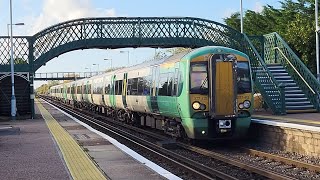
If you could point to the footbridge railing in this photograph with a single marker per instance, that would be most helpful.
(278, 51)
(118, 32)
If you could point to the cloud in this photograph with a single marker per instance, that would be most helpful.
(228, 12)
(258, 7)
(57, 11)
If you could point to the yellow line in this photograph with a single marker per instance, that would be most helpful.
(287, 119)
(78, 162)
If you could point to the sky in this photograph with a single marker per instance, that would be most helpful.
(40, 14)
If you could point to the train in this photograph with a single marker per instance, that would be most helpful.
(201, 94)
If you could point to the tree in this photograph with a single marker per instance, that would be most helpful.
(44, 88)
(294, 21)
(20, 61)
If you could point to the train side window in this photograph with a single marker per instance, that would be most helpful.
(108, 88)
(78, 89)
(170, 84)
(98, 88)
(116, 87)
(89, 88)
(120, 87)
(129, 86)
(140, 86)
(175, 82)
(134, 86)
(163, 85)
(147, 85)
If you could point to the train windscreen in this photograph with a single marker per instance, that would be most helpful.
(243, 77)
(199, 78)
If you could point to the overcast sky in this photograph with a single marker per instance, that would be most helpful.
(39, 14)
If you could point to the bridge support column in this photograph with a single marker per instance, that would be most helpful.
(32, 96)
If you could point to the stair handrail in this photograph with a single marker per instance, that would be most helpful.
(268, 99)
(308, 76)
(286, 58)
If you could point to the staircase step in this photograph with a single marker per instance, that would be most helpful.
(275, 67)
(296, 99)
(294, 95)
(298, 103)
(278, 70)
(292, 88)
(299, 107)
(274, 64)
(302, 111)
(281, 74)
(285, 80)
(282, 77)
(297, 91)
(290, 84)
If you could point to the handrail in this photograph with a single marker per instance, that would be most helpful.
(295, 69)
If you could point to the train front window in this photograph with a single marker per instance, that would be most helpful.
(199, 78)
(243, 77)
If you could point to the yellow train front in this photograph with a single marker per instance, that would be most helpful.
(219, 94)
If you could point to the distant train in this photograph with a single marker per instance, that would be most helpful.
(204, 94)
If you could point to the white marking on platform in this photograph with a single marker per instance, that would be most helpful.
(288, 125)
(125, 149)
(5, 128)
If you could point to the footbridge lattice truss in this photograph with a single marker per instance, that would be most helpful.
(31, 52)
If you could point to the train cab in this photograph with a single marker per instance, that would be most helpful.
(220, 92)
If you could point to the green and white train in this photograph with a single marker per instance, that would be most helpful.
(202, 94)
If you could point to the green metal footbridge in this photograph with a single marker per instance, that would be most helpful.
(279, 75)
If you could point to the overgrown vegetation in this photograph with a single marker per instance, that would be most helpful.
(294, 21)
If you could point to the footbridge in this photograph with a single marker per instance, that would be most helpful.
(31, 52)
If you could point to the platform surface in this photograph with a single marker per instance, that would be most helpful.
(308, 119)
(28, 150)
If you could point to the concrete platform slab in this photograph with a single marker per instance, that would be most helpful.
(31, 153)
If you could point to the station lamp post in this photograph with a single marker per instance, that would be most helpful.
(13, 98)
(109, 59)
(317, 39)
(241, 16)
(128, 56)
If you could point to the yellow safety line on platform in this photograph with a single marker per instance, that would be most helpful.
(305, 121)
(78, 162)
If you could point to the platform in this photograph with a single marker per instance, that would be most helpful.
(308, 119)
(297, 133)
(71, 151)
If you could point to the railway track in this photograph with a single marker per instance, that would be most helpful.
(191, 165)
(198, 170)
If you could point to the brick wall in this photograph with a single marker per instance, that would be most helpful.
(287, 139)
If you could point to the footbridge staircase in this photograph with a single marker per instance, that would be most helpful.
(297, 88)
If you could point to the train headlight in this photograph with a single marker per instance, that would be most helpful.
(241, 105)
(203, 106)
(246, 104)
(196, 105)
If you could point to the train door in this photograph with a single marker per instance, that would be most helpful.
(154, 89)
(112, 95)
(124, 90)
(223, 96)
